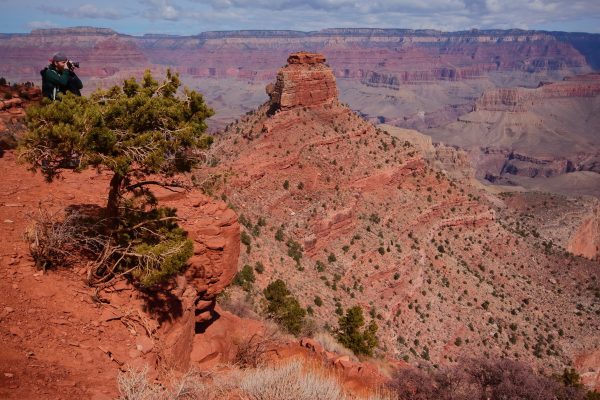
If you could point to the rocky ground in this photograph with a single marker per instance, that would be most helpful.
(57, 343)
(60, 342)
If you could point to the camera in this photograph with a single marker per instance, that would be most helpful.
(72, 64)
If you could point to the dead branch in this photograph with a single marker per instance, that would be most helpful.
(168, 186)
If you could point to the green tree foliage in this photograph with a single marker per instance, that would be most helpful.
(156, 252)
(284, 307)
(245, 278)
(351, 336)
(133, 130)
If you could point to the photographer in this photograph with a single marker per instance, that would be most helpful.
(59, 77)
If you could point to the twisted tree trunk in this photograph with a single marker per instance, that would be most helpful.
(114, 195)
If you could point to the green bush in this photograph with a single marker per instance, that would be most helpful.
(245, 278)
(156, 252)
(283, 307)
(331, 258)
(294, 250)
(318, 301)
(350, 335)
(259, 267)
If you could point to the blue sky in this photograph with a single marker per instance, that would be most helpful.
(188, 17)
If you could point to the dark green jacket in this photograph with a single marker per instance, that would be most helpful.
(54, 82)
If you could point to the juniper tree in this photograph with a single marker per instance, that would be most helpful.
(134, 130)
(284, 307)
(349, 333)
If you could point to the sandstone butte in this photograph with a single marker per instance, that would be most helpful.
(424, 250)
(401, 230)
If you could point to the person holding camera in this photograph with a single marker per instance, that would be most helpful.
(60, 77)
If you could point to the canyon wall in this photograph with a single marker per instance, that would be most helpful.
(379, 57)
(521, 99)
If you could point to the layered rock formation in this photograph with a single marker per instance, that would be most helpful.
(376, 56)
(305, 81)
(101, 52)
(215, 230)
(13, 102)
(522, 99)
(542, 132)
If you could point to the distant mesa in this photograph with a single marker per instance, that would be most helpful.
(305, 82)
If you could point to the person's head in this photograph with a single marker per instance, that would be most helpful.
(59, 60)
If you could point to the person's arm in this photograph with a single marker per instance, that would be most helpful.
(57, 79)
(75, 81)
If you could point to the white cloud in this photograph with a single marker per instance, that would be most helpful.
(194, 16)
(41, 25)
(161, 9)
(83, 11)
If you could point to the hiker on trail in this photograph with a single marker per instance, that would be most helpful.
(59, 77)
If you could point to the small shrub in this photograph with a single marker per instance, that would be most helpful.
(294, 250)
(320, 267)
(279, 235)
(245, 238)
(245, 278)
(259, 267)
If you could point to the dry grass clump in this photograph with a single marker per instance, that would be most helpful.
(291, 380)
(134, 385)
(251, 351)
(57, 240)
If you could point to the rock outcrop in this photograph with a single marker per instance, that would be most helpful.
(13, 102)
(586, 240)
(305, 82)
(216, 234)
